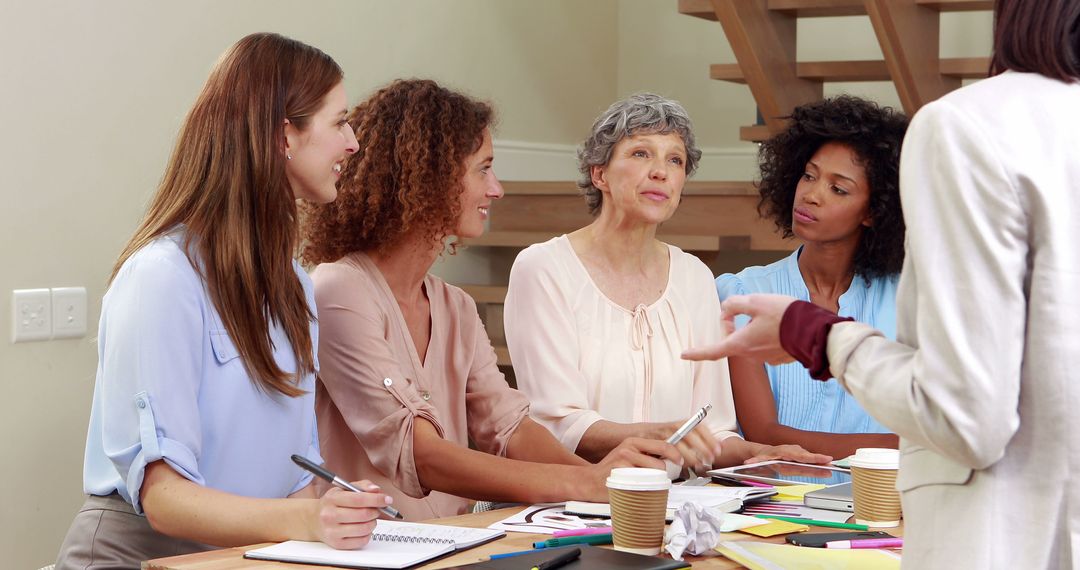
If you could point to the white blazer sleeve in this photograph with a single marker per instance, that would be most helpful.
(952, 383)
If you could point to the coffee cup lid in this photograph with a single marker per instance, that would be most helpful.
(638, 479)
(875, 458)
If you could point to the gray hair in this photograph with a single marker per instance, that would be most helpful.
(641, 113)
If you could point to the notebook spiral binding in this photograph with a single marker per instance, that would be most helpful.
(413, 539)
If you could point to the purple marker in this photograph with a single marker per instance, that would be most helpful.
(867, 543)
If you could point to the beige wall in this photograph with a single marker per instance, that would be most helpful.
(93, 93)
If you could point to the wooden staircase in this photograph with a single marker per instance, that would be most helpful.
(762, 37)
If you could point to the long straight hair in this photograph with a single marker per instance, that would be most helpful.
(226, 184)
(1037, 36)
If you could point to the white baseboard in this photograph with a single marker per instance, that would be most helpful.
(521, 160)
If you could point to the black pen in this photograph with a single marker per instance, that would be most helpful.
(560, 560)
(321, 472)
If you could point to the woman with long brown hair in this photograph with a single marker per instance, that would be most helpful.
(408, 377)
(206, 364)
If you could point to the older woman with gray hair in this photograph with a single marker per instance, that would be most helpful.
(596, 319)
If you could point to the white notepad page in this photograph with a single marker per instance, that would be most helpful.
(394, 544)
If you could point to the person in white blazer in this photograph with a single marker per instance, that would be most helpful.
(980, 383)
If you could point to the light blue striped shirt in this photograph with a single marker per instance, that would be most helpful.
(170, 385)
(802, 402)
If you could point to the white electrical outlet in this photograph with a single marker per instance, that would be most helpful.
(68, 312)
(31, 317)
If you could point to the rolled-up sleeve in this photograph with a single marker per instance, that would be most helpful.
(541, 335)
(361, 374)
(151, 347)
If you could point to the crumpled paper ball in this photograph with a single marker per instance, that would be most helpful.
(696, 529)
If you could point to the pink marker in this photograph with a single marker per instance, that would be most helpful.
(582, 531)
(867, 543)
(756, 484)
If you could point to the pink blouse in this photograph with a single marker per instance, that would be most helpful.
(372, 384)
(581, 358)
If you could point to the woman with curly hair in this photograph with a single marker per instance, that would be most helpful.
(596, 319)
(408, 376)
(830, 180)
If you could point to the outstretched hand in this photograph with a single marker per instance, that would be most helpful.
(758, 340)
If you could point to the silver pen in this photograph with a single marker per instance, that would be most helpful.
(689, 425)
(323, 473)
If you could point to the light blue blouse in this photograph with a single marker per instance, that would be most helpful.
(170, 386)
(802, 402)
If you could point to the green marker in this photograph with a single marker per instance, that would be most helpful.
(568, 540)
(829, 524)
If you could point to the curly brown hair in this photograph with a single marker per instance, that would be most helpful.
(874, 133)
(407, 176)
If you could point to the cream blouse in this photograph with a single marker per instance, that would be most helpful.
(372, 384)
(580, 357)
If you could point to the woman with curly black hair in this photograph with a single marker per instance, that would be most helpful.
(830, 180)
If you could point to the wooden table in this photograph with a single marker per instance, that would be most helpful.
(233, 558)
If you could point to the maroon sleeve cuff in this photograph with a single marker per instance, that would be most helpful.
(804, 334)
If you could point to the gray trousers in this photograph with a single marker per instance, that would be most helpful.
(107, 534)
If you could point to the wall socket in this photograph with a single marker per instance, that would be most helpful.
(43, 314)
(31, 315)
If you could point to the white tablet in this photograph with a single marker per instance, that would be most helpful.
(786, 473)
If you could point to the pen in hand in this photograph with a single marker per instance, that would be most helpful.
(689, 425)
(323, 473)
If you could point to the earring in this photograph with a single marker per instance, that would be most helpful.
(288, 156)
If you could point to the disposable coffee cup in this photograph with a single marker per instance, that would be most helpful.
(873, 481)
(638, 498)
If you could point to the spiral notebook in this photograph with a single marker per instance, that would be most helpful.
(394, 544)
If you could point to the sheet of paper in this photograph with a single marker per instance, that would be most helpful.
(545, 519)
(774, 528)
(795, 492)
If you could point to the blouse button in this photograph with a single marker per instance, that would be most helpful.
(387, 382)
(141, 403)
(425, 395)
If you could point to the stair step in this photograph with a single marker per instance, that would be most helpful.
(502, 355)
(568, 188)
(965, 67)
(685, 242)
(697, 8)
(830, 8)
(858, 70)
(957, 5)
(819, 8)
(754, 133)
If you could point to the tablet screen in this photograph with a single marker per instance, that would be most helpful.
(796, 473)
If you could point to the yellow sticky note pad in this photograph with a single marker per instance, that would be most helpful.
(795, 492)
(773, 528)
(764, 556)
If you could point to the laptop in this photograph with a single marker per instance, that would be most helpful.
(835, 498)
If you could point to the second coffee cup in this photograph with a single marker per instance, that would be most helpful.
(873, 476)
